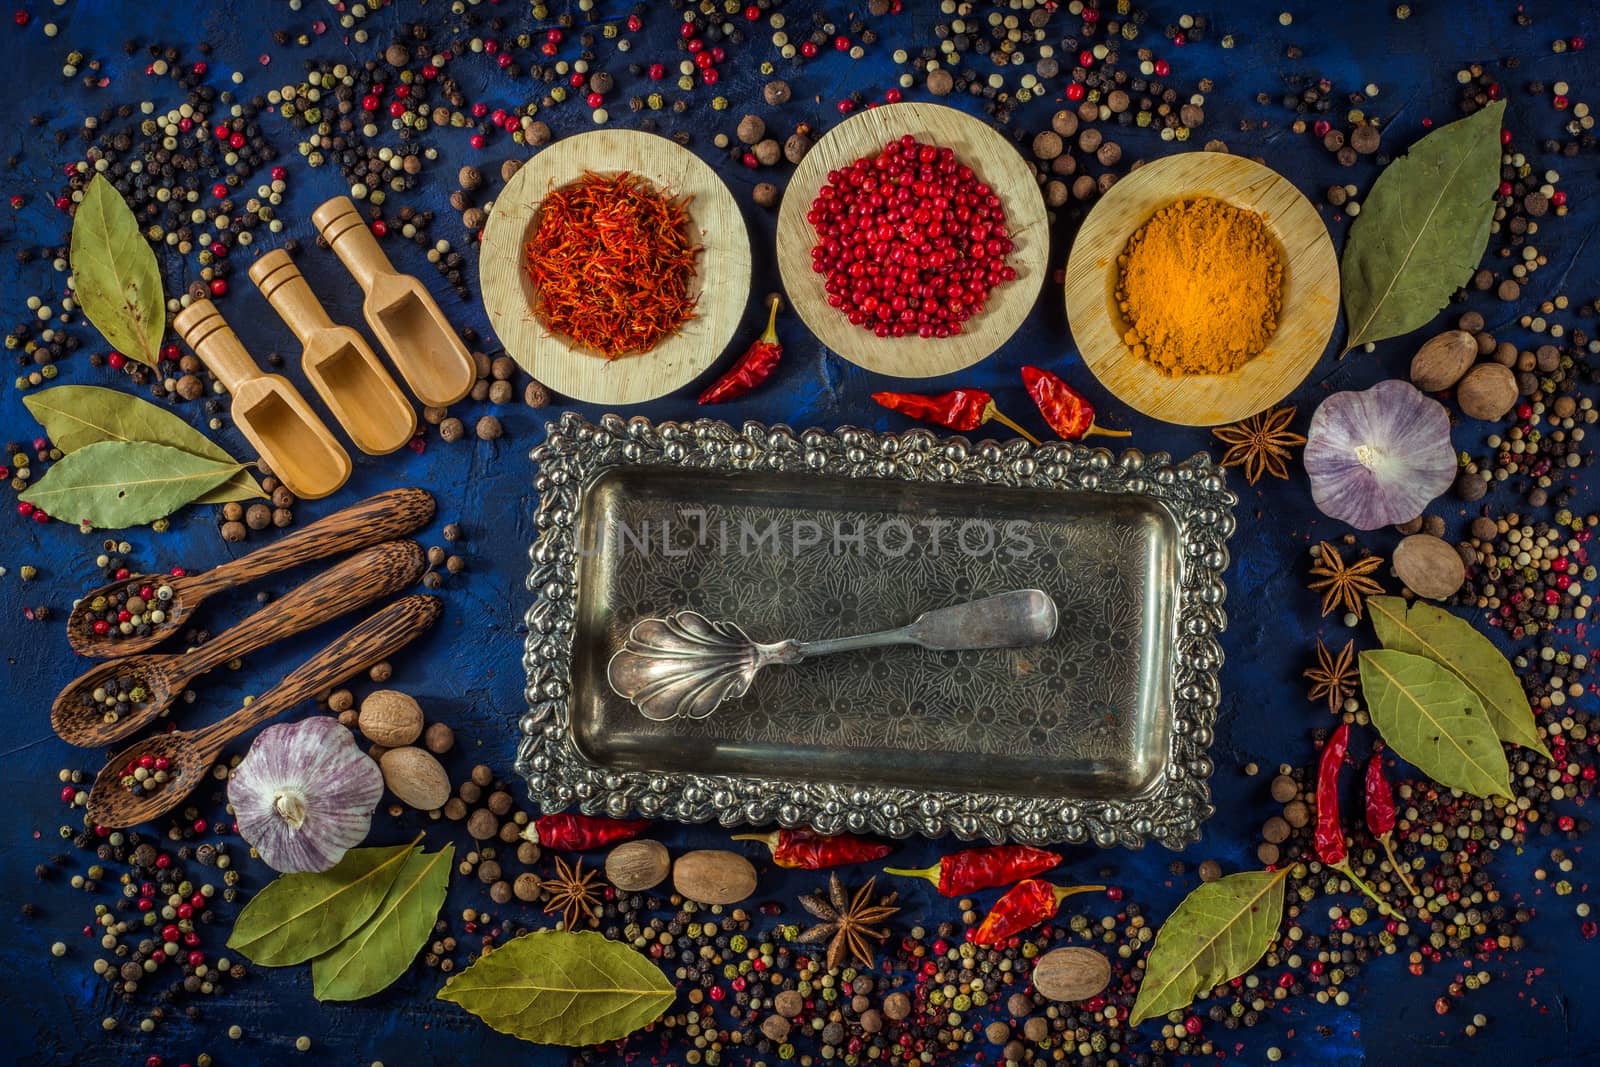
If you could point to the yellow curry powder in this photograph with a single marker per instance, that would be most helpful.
(1200, 287)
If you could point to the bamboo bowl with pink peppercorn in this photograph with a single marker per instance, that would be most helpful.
(994, 162)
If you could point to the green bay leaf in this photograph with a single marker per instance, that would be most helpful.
(1422, 229)
(298, 916)
(78, 415)
(114, 273)
(113, 484)
(1425, 630)
(1434, 722)
(1217, 933)
(555, 987)
(381, 949)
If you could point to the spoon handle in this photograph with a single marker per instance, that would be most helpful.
(1006, 620)
(378, 518)
(371, 641)
(373, 574)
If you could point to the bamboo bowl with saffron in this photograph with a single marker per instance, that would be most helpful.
(1310, 289)
(721, 282)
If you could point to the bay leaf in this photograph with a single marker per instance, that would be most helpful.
(381, 949)
(1434, 722)
(1217, 933)
(1422, 229)
(556, 987)
(113, 484)
(1425, 630)
(114, 273)
(78, 415)
(298, 916)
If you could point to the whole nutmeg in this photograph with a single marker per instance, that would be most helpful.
(1072, 974)
(1442, 360)
(1047, 145)
(489, 428)
(765, 194)
(1429, 566)
(1487, 392)
(415, 777)
(768, 152)
(713, 876)
(751, 129)
(776, 92)
(390, 718)
(469, 177)
(796, 147)
(635, 866)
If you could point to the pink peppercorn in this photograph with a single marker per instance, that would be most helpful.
(1162, 68)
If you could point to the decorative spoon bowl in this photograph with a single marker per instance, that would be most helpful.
(686, 664)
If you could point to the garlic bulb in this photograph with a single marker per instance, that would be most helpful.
(1378, 457)
(304, 794)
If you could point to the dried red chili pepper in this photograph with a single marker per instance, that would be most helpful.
(812, 851)
(752, 368)
(1330, 842)
(1381, 817)
(968, 871)
(575, 833)
(962, 410)
(1067, 412)
(1026, 905)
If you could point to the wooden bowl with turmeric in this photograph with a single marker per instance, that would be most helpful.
(1202, 288)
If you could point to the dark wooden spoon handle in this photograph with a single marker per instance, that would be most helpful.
(369, 642)
(373, 574)
(378, 518)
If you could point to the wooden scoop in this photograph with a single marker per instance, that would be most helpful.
(271, 413)
(399, 310)
(376, 519)
(337, 360)
(378, 572)
(191, 753)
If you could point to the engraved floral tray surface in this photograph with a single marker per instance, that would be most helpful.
(1099, 735)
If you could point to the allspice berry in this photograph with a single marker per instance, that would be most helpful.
(234, 532)
(1365, 139)
(1109, 154)
(1047, 145)
(751, 129)
(765, 194)
(1064, 123)
(1283, 789)
(469, 177)
(940, 82)
(796, 147)
(489, 428)
(537, 134)
(509, 168)
(768, 152)
(451, 430)
(527, 886)
(536, 395)
(776, 92)
(483, 825)
(258, 516)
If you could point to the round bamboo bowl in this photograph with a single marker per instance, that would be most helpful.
(1310, 289)
(995, 161)
(721, 280)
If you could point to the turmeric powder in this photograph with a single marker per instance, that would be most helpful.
(1200, 287)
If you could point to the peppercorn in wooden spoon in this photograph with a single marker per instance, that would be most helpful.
(142, 610)
(115, 699)
(153, 775)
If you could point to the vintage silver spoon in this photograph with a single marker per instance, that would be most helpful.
(687, 664)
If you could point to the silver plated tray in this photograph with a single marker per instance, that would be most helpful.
(1100, 735)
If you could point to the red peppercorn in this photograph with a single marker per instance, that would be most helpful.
(1075, 91)
(196, 958)
(841, 43)
(1576, 43)
(709, 75)
(1559, 198)
(808, 49)
(20, 18)
(1162, 68)
(695, 46)
(892, 96)
(219, 190)
(1505, 136)
(381, 228)
(1504, 190)
(658, 71)
(1560, 102)
(219, 286)
(476, 140)
(635, 24)
(68, 794)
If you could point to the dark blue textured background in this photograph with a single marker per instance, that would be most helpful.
(468, 672)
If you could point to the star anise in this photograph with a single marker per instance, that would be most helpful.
(849, 922)
(1334, 676)
(1260, 444)
(1341, 583)
(573, 893)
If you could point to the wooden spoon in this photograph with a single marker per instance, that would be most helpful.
(400, 310)
(378, 572)
(267, 408)
(378, 518)
(337, 360)
(191, 753)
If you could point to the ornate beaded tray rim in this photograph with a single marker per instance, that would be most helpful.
(559, 775)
